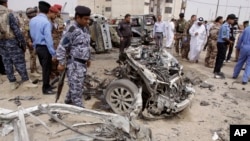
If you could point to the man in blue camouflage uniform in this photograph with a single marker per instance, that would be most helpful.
(12, 47)
(75, 44)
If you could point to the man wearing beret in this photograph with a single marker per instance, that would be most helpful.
(30, 13)
(53, 11)
(12, 47)
(40, 31)
(75, 43)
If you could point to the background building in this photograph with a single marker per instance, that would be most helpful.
(118, 8)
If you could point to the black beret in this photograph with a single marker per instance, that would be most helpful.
(82, 10)
(43, 6)
(232, 16)
(181, 15)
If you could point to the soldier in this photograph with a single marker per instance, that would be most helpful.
(180, 28)
(159, 32)
(52, 15)
(40, 31)
(212, 43)
(12, 47)
(125, 34)
(75, 44)
(31, 12)
(186, 42)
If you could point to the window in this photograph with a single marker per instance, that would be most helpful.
(151, 9)
(168, 10)
(169, 1)
(108, 9)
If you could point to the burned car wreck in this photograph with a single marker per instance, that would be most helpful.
(147, 82)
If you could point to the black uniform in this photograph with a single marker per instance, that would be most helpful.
(230, 46)
(124, 31)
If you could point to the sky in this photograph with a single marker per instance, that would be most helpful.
(202, 8)
(207, 9)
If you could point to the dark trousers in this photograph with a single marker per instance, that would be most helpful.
(222, 50)
(45, 60)
(125, 43)
(230, 51)
(2, 69)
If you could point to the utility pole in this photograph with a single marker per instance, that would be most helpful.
(239, 12)
(158, 7)
(216, 13)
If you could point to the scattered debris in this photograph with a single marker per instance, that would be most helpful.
(207, 85)
(112, 126)
(18, 98)
(204, 103)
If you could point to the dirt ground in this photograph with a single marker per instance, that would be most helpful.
(228, 104)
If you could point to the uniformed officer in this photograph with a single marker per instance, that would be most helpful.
(212, 43)
(12, 47)
(179, 28)
(222, 42)
(159, 31)
(40, 31)
(187, 37)
(125, 34)
(75, 44)
(30, 13)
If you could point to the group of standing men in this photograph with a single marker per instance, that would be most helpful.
(43, 37)
(195, 35)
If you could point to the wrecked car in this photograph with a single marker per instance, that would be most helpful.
(142, 28)
(148, 82)
(100, 34)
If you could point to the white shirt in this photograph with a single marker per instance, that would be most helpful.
(159, 27)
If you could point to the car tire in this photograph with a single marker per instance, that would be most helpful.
(121, 96)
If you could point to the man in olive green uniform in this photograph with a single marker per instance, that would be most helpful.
(180, 29)
(30, 12)
(185, 48)
(212, 43)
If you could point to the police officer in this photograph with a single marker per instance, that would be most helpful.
(12, 48)
(222, 42)
(75, 44)
(125, 34)
(180, 28)
(40, 31)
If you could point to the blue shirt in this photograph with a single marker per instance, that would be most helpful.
(41, 32)
(244, 40)
(224, 32)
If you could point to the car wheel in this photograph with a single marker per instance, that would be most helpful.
(120, 95)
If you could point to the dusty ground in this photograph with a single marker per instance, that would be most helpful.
(228, 104)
